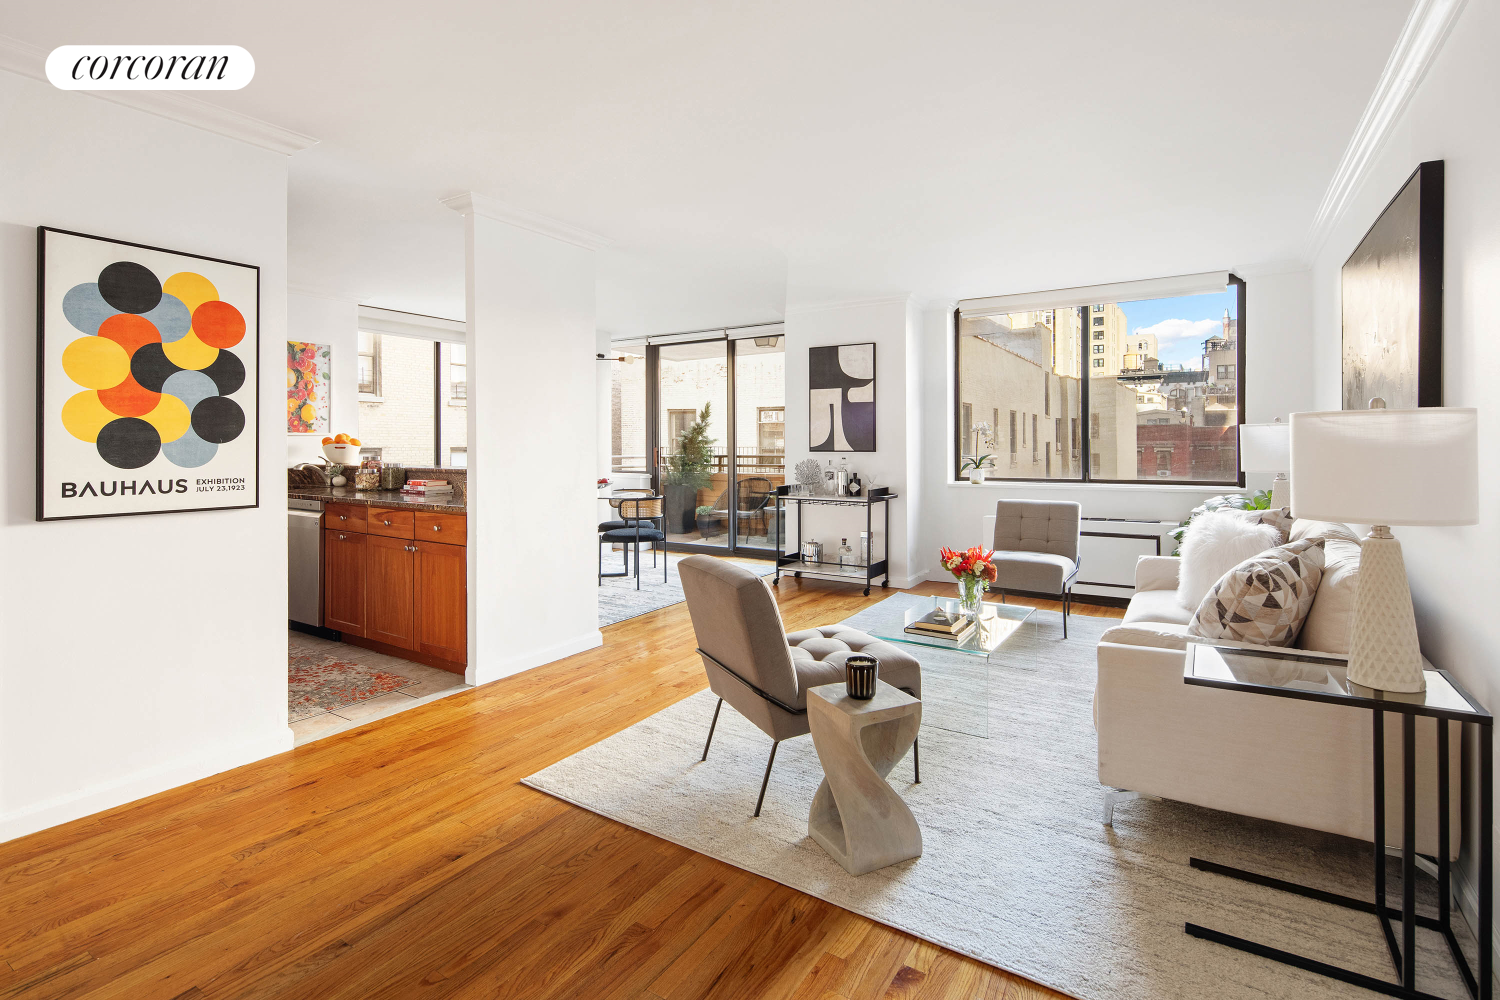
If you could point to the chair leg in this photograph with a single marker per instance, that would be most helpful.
(1067, 606)
(711, 727)
(916, 762)
(637, 565)
(767, 779)
(1002, 597)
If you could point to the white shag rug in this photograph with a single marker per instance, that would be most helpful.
(619, 599)
(1017, 871)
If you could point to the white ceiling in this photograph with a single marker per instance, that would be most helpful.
(744, 156)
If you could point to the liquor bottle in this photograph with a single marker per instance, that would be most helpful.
(841, 478)
(855, 486)
(846, 555)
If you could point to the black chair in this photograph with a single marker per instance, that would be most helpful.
(755, 495)
(641, 520)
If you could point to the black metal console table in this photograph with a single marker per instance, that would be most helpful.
(824, 569)
(1284, 674)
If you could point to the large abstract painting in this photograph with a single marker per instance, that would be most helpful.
(841, 398)
(147, 381)
(309, 386)
(1393, 301)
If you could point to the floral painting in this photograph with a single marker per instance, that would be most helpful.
(308, 384)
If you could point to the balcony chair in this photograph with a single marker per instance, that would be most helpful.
(761, 671)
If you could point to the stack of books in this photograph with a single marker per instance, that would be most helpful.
(941, 625)
(426, 487)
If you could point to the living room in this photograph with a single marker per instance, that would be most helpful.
(1100, 808)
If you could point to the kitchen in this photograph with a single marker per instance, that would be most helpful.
(376, 527)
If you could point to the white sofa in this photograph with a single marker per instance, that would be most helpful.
(1297, 762)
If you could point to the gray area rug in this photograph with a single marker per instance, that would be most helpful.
(619, 600)
(1017, 869)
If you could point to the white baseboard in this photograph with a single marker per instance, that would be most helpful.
(494, 668)
(96, 798)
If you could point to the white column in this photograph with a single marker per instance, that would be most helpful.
(532, 414)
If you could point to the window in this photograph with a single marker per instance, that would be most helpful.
(770, 423)
(369, 363)
(1170, 413)
(458, 458)
(412, 394)
(678, 421)
(1012, 439)
(458, 379)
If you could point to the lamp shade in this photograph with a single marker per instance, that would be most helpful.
(1387, 466)
(1265, 447)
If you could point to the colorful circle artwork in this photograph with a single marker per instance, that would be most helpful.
(154, 367)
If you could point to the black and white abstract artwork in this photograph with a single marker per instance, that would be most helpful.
(841, 398)
(1393, 301)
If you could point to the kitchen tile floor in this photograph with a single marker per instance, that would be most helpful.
(431, 684)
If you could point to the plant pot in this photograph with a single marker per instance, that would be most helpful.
(710, 527)
(976, 476)
(681, 507)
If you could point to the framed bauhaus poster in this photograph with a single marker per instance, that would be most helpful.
(147, 379)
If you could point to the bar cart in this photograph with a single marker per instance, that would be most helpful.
(867, 572)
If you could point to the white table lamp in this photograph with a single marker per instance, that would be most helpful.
(1384, 467)
(1268, 448)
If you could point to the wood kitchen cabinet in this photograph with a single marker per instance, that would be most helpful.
(344, 581)
(388, 590)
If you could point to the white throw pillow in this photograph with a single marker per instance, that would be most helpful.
(1216, 543)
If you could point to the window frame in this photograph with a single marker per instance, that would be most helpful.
(371, 394)
(1086, 416)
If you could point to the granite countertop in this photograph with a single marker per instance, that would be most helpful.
(444, 503)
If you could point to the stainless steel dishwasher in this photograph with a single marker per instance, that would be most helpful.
(304, 542)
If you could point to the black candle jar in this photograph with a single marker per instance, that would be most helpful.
(860, 670)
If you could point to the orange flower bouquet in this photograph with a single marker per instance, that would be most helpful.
(974, 571)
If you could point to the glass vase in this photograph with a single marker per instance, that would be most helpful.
(971, 596)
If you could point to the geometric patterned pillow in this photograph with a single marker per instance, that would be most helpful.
(1264, 599)
(1279, 518)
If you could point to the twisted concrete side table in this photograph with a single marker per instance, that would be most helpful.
(856, 816)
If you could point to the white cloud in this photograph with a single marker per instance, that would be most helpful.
(1169, 330)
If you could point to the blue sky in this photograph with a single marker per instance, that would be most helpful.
(1180, 324)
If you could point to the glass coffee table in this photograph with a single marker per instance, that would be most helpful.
(1000, 623)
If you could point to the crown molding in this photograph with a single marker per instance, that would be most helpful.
(1422, 37)
(26, 59)
(472, 203)
(1267, 268)
(834, 304)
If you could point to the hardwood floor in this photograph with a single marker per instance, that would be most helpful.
(404, 859)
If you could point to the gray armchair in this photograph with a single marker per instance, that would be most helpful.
(1036, 548)
(761, 671)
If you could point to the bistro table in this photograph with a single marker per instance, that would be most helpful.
(1283, 673)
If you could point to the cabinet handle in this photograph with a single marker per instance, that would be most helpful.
(386, 523)
(437, 527)
(341, 538)
(343, 517)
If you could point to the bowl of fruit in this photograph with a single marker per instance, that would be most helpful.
(341, 449)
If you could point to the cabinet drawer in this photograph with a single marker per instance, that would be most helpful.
(344, 517)
(452, 529)
(391, 523)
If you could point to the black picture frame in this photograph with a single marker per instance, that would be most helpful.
(1391, 301)
(829, 386)
(251, 378)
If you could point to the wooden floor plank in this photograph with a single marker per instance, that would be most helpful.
(405, 859)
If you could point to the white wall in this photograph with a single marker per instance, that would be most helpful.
(321, 319)
(533, 432)
(891, 325)
(140, 652)
(1278, 372)
(1454, 572)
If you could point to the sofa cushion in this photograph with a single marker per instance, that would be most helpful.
(1332, 615)
(1214, 544)
(1157, 606)
(1163, 635)
(818, 656)
(1038, 572)
(1264, 599)
(1303, 528)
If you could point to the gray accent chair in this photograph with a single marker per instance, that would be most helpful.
(1036, 548)
(758, 668)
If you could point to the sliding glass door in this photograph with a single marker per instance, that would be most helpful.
(706, 420)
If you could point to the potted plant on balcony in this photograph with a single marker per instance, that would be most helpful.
(687, 472)
(710, 525)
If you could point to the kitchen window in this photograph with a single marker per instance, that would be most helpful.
(1174, 420)
(369, 363)
(412, 395)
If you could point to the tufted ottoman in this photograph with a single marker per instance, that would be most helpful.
(818, 656)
